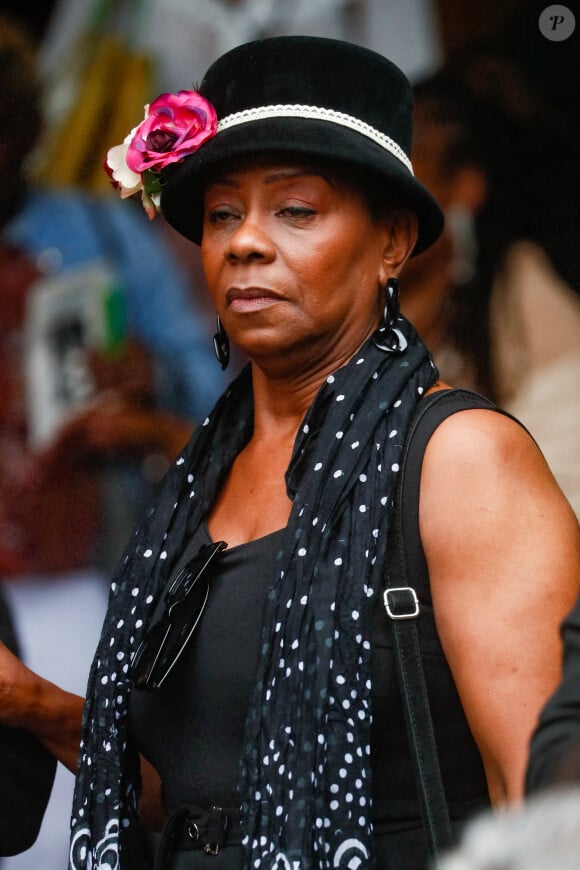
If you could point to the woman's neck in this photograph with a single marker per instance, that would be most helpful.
(284, 393)
(281, 404)
(286, 385)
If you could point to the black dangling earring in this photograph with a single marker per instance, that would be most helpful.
(388, 337)
(221, 345)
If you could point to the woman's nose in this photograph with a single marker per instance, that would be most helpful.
(250, 241)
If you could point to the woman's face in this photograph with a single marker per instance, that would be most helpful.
(294, 261)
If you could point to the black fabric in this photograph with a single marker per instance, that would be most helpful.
(555, 746)
(420, 728)
(195, 829)
(195, 738)
(313, 72)
(27, 772)
(403, 609)
(315, 650)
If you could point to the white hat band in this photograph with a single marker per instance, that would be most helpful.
(317, 113)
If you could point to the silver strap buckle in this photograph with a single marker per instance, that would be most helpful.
(393, 607)
(212, 828)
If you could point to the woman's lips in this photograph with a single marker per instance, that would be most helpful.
(250, 298)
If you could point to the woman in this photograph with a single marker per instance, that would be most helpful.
(290, 166)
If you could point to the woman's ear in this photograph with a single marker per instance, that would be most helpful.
(402, 233)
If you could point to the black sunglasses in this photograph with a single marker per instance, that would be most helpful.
(184, 601)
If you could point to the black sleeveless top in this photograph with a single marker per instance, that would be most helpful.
(191, 729)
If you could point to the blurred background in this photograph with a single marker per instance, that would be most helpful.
(105, 326)
(167, 44)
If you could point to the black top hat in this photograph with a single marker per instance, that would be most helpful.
(309, 96)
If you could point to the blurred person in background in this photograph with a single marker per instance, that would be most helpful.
(544, 832)
(496, 298)
(555, 745)
(26, 772)
(67, 502)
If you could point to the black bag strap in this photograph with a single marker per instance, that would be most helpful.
(403, 608)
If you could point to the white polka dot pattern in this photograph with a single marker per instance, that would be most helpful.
(305, 787)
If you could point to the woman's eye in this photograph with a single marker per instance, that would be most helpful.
(220, 215)
(296, 211)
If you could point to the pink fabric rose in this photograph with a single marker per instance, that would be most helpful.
(174, 127)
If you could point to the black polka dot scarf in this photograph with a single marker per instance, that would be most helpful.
(305, 788)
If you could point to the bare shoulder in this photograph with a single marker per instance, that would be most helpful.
(479, 436)
(476, 439)
(486, 446)
(484, 479)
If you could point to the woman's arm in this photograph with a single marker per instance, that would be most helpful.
(503, 550)
(26, 773)
(29, 701)
(54, 717)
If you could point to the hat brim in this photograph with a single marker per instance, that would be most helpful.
(182, 192)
